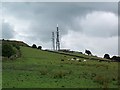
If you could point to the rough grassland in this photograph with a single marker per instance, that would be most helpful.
(42, 69)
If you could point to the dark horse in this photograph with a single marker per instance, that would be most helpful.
(88, 52)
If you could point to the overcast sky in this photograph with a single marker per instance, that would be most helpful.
(87, 25)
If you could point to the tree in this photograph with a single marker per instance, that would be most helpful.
(40, 47)
(16, 46)
(107, 56)
(116, 58)
(34, 46)
(88, 52)
(3, 39)
(7, 50)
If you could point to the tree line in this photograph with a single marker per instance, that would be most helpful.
(107, 56)
(12, 48)
(39, 47)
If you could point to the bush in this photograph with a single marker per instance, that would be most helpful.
(116, 58)
(16, 46)
(107, 56)
(61, 73)
(43, 71)
(34, 46)
(7, 50)
(40, 47)
(88, 52)
(102, 80)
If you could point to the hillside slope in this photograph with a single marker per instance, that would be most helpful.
(42, 69)
(20, 43)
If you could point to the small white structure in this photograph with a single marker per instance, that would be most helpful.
(84, 60)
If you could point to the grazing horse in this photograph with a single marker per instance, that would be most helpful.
(88, 52)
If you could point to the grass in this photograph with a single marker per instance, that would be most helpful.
(42, 69)
(84, 56)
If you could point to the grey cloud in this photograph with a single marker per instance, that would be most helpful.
(7, 31)
(49, 14)
(43, 17)
(99, 46)
(100, 24)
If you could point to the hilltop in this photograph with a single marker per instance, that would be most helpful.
(20, 43)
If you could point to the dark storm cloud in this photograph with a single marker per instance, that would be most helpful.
(7, 31)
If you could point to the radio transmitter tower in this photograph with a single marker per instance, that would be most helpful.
(53, 40)
(57, 39)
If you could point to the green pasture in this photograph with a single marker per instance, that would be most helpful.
(42, 69)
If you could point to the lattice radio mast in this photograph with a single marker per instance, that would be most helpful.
(57, 39)
(53, 40)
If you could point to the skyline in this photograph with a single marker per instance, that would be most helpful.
(92, 26)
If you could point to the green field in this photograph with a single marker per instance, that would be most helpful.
(42, 69)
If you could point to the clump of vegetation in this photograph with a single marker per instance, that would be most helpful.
(93, 75)
(102, 80)
(107, 56)
(60, 73)
(16, 46)
(43, 71)
(34, 46)
(7, 50)
(40, 47)
(10, 50)
(88, 52)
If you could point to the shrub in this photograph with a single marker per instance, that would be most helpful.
(34, 46)
(107, 56)
(116, 58)
(16, 46)
(59, 74)
(40, 47)
(88, 52)
(43, 71)
(102, 80)
(7, 50)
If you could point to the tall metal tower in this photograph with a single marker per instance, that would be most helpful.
(57, 39)
(53, 40)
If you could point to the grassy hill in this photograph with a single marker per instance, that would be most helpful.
(79, 55)
(20, 43)
(41, 69)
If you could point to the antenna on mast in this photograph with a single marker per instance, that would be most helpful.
(56, 45)
(53, 40)
(57, 39)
